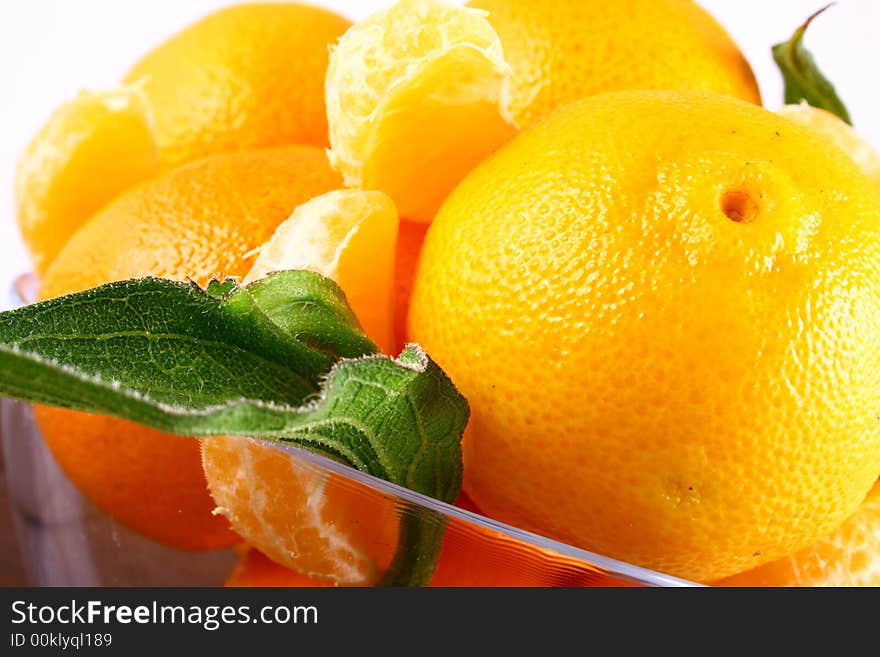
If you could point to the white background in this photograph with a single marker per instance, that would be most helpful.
(50, 49)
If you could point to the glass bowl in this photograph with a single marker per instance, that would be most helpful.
(66, 541)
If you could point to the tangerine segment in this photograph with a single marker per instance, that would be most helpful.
(650, 375)
(416, 96)
(198, 221)
(848, 556)
(348, 236)
(564, 50)
(247, 76)
(91, 149)
(297, 514)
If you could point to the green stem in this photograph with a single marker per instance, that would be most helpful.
(418, 547)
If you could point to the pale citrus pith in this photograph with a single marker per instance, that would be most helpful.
(246, 76)
(91, 149)
(197, 221)
(416, 96)
(563, 50)
(848, 556)
(664, 310)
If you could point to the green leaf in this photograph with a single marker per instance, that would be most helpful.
(802, 77)
(282, 360)
(151, 348)
(303, 305)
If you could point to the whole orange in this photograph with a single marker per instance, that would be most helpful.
(664, 310)
(563, 50)
(200, 220)
(247, 76)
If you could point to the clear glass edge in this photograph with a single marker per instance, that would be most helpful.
(615, 567)
(622, 569)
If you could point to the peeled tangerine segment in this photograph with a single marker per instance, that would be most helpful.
(416, 97)
(297, 515)
(91, 149)
(350, 237)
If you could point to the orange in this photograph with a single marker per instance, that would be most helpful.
(664, 310)
(247, 76)
(91, 149)
(197, 221)
(416, 96)
(848, 556)
(410, 237)
(563, 50)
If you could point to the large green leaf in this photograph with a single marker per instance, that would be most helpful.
(282, 360)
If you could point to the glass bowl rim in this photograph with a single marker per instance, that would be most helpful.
(23, 292)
